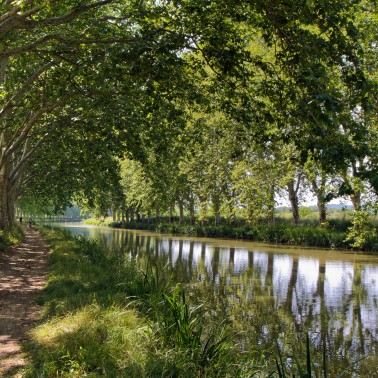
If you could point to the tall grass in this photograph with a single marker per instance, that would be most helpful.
(307, 367)
(105, 316)
(333, 236)
(277, 234)
(182, 326)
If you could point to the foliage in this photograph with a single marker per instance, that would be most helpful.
(321, 237)
(205, 99)
(10, 237)
(361, 233)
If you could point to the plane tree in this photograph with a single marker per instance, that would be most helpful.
(60, 60)
(94, 66)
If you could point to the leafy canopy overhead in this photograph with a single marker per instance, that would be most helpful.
(84, 81)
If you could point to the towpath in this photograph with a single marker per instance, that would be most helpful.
(23, 270)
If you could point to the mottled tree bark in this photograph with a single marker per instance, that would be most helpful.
(181, 210)
(294, 201)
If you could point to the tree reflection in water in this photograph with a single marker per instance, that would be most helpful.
(270, 294)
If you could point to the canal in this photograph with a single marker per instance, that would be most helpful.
(270, 294)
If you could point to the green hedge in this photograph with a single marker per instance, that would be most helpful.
(278, 234)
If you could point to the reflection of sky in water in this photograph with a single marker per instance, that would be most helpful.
(209, 252)
(308, 275)
(241, 260)
(282, 266)
(349, 304)
(369, 313)
(338, 280)
(174, 251)
(185, 250)
(197, 252)
(370, 280)
(224, 259)
(306, 301)
(260, 263)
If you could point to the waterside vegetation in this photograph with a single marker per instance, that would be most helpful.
(106, 316)
(336, 234)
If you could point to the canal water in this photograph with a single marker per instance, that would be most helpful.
(270, 293)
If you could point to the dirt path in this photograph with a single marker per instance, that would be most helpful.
(22, 277)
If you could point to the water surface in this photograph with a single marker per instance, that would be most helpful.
(270, 292)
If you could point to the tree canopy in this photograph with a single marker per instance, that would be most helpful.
(217, 102)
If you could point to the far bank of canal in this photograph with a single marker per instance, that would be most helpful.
(269, 291)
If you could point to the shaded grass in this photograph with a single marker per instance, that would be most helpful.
(103, 316)
(10, 237)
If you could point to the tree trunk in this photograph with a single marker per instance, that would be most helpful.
(171, 212)
(271, 214)
(181, 210)
(294, 201)
(356, 199)
(191, 209)
(356, 186)
(320, 196)
(216, 209)
(202, 210)
(7, 200)
(322, 210)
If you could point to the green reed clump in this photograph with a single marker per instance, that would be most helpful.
(308, 364)
(208, 351)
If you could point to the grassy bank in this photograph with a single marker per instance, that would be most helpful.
(107, 317)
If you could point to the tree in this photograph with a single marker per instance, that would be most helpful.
(61, 61)
(207, 160)
(109, 67)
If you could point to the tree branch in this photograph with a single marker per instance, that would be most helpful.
(14, 21)
(24, 134)
(62, 41)
(28, 153)
(9, 105)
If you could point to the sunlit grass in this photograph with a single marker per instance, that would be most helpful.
(93, 340)
(101, 319)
